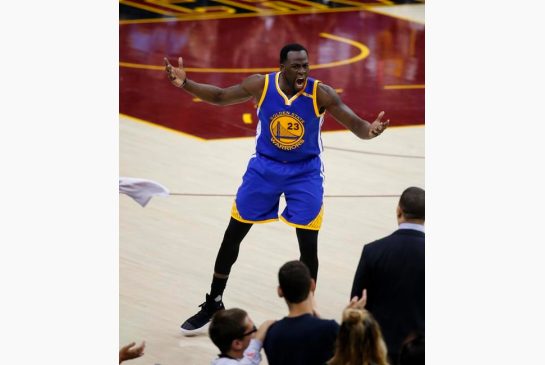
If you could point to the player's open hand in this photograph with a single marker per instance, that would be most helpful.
(176, 75)
(378, 126)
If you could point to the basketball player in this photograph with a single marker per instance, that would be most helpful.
(290, 108)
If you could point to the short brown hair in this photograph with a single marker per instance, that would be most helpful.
(295, 280)
(226, 326)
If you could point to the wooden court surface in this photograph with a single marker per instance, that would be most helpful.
(167, 249)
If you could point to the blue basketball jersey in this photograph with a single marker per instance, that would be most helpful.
(289, 129)
(287, 160)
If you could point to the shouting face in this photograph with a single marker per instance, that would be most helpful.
(295, 70)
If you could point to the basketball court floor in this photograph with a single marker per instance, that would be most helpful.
(371, 52)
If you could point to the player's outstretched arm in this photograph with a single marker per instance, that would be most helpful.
(251, 87)
(330, 100)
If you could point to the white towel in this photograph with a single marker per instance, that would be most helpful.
(141, 190)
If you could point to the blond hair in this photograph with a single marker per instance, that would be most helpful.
(359, 341)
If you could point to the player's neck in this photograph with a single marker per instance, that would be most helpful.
(285, 87)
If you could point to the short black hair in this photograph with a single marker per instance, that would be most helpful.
(295, 280)
(412, 203)
(227, 325)
(288, 48)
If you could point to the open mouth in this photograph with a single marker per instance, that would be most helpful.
(300, 82)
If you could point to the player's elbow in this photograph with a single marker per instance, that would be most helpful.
(217, 98)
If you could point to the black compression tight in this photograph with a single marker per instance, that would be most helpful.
(235, 233)
(228, 252)
(308, 247)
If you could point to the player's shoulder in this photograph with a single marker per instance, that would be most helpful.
(255, 79)
(326, 90)
(254, 84)
(257, 76)
(323, 86)
(326, 95)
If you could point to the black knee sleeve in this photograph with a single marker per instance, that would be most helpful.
(308, 247)
(228, 252)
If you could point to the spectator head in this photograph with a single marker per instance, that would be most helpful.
(412, 350)
(360, 340)
(411, 207)
(231, 331)
(295, 282)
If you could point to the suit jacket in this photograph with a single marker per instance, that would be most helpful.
(392, 271)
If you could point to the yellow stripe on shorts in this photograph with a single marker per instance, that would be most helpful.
(236, 215)
(314, 225)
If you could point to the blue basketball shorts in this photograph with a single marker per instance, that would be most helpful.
(265, 180)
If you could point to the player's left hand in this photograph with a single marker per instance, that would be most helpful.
(378, 126)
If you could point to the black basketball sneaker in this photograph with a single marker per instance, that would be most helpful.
(200, 321)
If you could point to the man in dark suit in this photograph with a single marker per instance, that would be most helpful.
(392, 271)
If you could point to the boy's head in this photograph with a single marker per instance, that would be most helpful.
(294, 281)
(231, 330)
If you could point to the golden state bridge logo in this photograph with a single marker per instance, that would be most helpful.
(287, 130)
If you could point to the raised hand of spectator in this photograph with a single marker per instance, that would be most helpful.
(129, 352)
(358, 304)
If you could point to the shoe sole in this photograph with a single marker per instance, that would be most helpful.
(196, 331)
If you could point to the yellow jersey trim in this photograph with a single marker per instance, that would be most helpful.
(236, 215)
(315, 99)
(314, 225)
(286, 100)
(265, 88)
